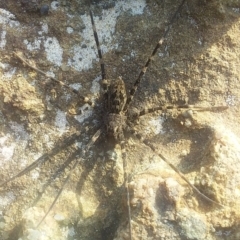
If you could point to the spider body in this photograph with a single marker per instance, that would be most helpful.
(115, 101)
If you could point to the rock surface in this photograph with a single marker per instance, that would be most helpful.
(162, 205)
(198, 64)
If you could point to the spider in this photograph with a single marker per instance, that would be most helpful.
(116, 119)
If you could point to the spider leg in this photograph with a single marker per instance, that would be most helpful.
(98, 47)
(84, 99)
(56, 174)
(178, 107)
(160, 42)
(88, 146)
(60, 191)
(69, 141)
(148, 144)
(124, 157)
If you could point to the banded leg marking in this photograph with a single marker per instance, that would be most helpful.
(160, 42)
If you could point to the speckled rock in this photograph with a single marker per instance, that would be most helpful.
(197, 64)
(162, 205)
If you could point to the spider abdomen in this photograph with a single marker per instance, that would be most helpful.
(115, 124)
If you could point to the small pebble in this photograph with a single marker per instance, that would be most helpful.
(59, 217)
(44, 10)
(184, 153)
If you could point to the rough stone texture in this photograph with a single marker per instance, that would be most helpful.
(163, 208)
(198, 64)
(21, 95)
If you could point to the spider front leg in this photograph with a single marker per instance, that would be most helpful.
(82, 153)
(61, 83)
(182, 108)
(41, 160)
(126, 185)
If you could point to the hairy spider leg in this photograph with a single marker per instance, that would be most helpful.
(178, 107)
(69, 141)
(98, 47)
(86, 149)
(144, 69)
(61, 83)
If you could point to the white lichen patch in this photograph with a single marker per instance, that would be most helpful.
(9, 71)
(12, 142)
(35, 174)
(61, 121)
(50, 73)
(231, 100)
(19, 131)
(95, 88)
(155, 125)
(6, 150)
(45, 28)
(32, 45)
(8, 19)
(69, 30)
(76, 86)
(51, 45)
(53, 50)
(54, 5)
(83, 57)
(86, 112)
(7, 199)
(3, 39)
